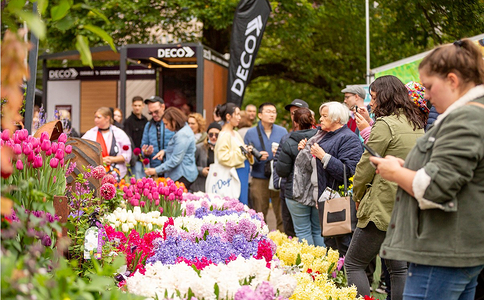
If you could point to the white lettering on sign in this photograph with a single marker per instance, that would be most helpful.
(246, 56)
(70, 73)
(175, 52)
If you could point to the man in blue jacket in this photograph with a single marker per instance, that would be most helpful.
(155, 135)
(261, 137)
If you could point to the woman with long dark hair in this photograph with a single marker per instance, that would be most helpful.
(227, 149)
(397, 127)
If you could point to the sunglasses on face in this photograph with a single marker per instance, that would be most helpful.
(156, 112)
(212, 134)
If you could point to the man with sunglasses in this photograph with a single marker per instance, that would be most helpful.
(155, 135)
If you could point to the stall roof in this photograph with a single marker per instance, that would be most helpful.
(98, 53)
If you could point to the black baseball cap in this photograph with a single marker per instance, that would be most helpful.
(297, 103)
(154, 99)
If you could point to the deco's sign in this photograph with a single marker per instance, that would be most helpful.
(175, 52)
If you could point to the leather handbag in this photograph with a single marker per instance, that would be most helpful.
(337, 214)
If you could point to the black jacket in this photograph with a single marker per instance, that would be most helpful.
(133, 126)
(287, 157)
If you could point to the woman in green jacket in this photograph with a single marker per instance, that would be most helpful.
(437, 222)
(395, 131)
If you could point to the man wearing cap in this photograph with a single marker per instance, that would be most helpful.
(155, 135)
(281, 182)
(354, 97)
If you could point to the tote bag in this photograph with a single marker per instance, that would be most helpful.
(337, 214)
(222, 180)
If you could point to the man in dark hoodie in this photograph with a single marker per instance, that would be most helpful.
(133, 126)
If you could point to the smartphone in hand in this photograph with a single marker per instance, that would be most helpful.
(371, 151)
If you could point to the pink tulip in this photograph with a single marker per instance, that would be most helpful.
(146, 192)
(142, 204)
(157, 202)
(54, 162)
(54, 147)
(48, 152)
(62, 163)
(150, 197)
(68, 149)
(45, 145)
(16, 139)
(6, 135)
(19, 165)
(38, 162)
(44, 136)
(137, 196)
(133, 181)
(27, 148)
(61, 146)
(23, 134)
(140, 184)
(17, 149)
(171, 197)
(135, 202)
(156, 195)
(37, 150)
(125, 197)
(59, 154)
(62, 138)
(35, 142)
(31, 157)
(172, 188)
(129, 193)
(161, 210)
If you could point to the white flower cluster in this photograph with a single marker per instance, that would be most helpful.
(127, 219)
(160, 278)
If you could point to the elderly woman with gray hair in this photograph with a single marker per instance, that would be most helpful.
(334, 148)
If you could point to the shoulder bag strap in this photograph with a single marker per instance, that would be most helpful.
(345, 180)
(476, 104)
(261, 139)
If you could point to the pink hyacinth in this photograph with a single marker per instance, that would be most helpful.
(19, 165)
(98, 172)
(62, 138)
(108, 191)
(108, 178)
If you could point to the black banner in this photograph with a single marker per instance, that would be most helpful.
(249, 24)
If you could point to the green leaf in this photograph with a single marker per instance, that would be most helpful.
(298, 259)
(15, 5)
(34, 23)
(95, 12)
(66, 23)
(42, 6)
(102, 34)
(82, 45)
(60, 11)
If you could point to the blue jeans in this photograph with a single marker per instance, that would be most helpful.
(138, 171)
(306, 222)
(432, 282)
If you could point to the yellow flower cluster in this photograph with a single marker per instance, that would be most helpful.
(318, 259)
(320, 288)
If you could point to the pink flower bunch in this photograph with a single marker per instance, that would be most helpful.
(38, 158)
(200, 264)
(135, 248)
(265, 250)
(108, 191)
(98, 172)
(151, 195)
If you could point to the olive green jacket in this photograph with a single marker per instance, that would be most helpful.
(389, 135)
(443, 225)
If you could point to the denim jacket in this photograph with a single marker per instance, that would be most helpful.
(150, 138)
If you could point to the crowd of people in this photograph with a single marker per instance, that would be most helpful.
(415, 206)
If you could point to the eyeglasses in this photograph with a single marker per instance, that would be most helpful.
(156, 112)
(212, 134)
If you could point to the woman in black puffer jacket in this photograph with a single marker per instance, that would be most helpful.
(304, 217)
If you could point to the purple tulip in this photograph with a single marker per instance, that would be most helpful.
(54, 162)
(38, 162)
(68, 149)
(19, 165)
(59, 154)
(6, 135)
(46, 241)
(45, 146)
(27, 148)
(17, 149)
(62, 138)
(44, 136)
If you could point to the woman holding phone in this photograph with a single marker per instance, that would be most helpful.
(395, 131)
(437, 222)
